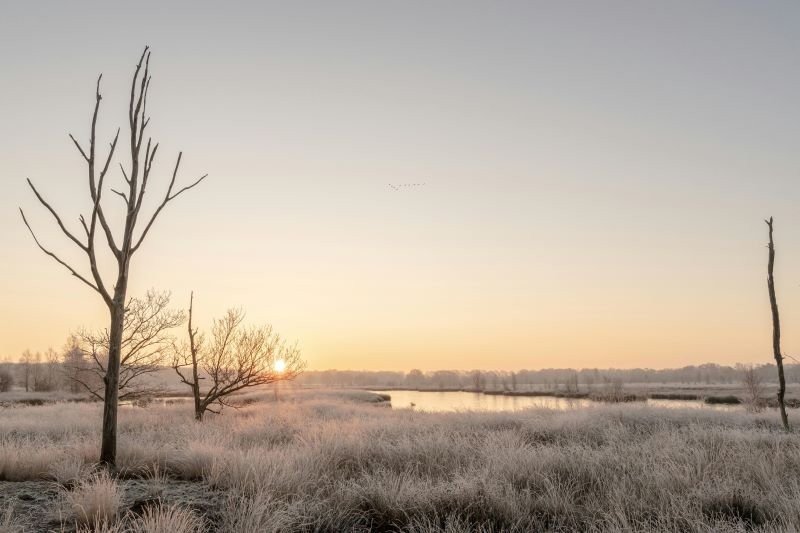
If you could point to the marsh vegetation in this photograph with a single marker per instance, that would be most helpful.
(334, 461)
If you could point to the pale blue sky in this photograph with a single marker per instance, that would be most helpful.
(596, 173)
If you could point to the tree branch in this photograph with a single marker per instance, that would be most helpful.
(78, 146)
(58, 218)
(54, 256)
(167, 198)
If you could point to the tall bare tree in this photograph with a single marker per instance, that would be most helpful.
(145, 349)
(753, 388)
(236, 358)
(776, 329)
(130, 233)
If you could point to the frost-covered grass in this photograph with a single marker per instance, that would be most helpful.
(331, 463)
(94, 499)
(39, 398)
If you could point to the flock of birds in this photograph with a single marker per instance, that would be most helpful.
(403, 186)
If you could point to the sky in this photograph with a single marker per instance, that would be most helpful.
(596, 174)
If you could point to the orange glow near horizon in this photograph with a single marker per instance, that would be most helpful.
(591, 186)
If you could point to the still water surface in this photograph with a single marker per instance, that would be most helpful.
(471, 401)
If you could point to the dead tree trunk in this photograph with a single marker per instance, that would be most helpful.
(108, 448)
(776, 329)
(199, 409)
(122, 247)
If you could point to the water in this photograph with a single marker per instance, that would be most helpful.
(162, 401)
(472, 401)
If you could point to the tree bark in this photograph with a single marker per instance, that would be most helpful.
(108, 448)
(776, 329)
(199, 409)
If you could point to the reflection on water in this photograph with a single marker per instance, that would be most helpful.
(471, 401)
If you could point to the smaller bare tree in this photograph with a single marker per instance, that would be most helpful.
(6, 379)
(45, 371)
(236, 358)
(571, 382)
(146, 347)
(76, 367)
(614, 389)
(753, 389)
(26, 363)
(478, 381)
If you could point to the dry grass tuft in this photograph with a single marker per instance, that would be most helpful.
(165, 519)
(95, 500)
(10, 523)
(69, 471)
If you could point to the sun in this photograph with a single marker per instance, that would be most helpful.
(280, 366)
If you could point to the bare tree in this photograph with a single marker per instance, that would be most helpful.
(571, 383)
(26, 362)
(76, 367)
(146, 341)
(45, 371)
(130, 234)
(776, 329)
(6, 379)
(753, 388)
(477, 380)
(614, 389)
(35, 373)
(236, 358)
(415, 378)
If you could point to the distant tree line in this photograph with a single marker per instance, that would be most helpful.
(77, 368)
(549, 378)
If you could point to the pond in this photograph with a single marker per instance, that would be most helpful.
(474, 401)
